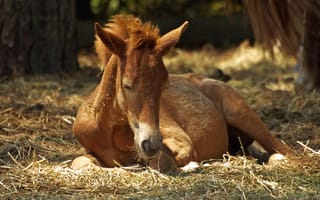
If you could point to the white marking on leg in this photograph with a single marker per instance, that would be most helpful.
(191, 166)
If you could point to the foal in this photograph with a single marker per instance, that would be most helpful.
(139, 112)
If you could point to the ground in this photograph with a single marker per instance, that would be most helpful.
(37, 144)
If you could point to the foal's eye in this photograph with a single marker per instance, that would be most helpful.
(127, 86)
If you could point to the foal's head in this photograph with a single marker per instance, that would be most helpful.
(140, 78)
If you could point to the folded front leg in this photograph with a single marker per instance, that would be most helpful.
(177, 149)
(164, 162)
(175, 153)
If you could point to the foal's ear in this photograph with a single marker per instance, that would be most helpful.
(171, 38)
(115, 44)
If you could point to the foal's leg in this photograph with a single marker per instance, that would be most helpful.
(164, 162)
(175, 153)
(239, 141)
(177, 148)
(92, 139)
(238, 114)
(178, 145)
(84, 162)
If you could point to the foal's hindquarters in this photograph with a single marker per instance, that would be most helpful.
(196, 114)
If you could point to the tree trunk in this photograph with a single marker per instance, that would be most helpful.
(36, 37)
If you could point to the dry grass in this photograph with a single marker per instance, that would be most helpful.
(37, 145)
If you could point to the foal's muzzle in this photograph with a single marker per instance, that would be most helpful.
(149, 142)
(150, 148)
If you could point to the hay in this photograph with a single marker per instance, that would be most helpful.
(37, 146)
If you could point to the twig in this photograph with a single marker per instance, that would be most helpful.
(5, 167)
(27, 167)
(15, 161)
(153, 175)
(308, 148)
(242, 148)
(3, 185)
(6, 110)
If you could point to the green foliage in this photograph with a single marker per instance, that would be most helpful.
(98, 6)
(164, 8)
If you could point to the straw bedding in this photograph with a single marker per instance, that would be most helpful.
(37, 145)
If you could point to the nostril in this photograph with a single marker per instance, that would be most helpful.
(149, 148)
(146, 145)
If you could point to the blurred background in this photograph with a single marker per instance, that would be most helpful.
(217, 22)
(41, 37)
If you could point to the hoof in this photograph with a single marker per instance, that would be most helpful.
(84, 162)
(276, 158)
(258, 152)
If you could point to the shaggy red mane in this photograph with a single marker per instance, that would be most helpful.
(130, 29)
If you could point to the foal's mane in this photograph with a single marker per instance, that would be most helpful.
(132, 30)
